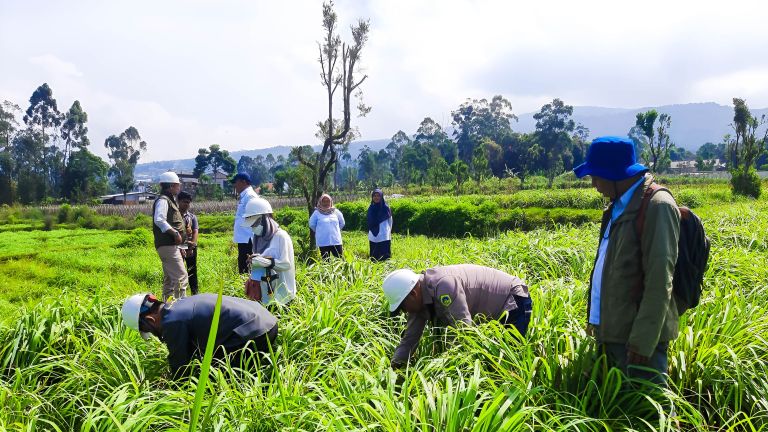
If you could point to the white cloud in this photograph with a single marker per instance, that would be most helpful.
(55, 66)
(243, 74)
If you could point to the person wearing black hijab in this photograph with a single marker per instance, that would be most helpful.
(379, 227)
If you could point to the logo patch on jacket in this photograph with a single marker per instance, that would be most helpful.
(446, 300)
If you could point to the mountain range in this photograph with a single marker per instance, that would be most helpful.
(693, 124)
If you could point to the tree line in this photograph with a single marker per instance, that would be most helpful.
(47, 156)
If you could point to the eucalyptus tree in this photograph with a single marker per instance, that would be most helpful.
(124, 152)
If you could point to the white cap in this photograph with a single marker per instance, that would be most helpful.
(169, 177)
(255, 207)
(131, 312)
(397, 285)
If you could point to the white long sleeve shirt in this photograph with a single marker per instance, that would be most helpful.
(327, 228)
(385, 232)
(161, 210)
(281, 250)
(243, 234)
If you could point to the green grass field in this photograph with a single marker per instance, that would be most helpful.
(67, 363)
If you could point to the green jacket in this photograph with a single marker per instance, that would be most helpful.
(637, 307)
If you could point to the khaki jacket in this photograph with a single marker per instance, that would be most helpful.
(460, 293)
(637, 307)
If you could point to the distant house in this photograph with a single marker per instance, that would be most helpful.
(682, 167)
(189, 183)
(221, 179)
(131, 198)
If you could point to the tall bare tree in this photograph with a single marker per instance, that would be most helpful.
(341, 77)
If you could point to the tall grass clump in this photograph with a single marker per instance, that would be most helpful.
(68, 363)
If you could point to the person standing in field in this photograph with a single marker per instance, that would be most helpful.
(242, 234)
(244, 327)
(631, 310)
(169, 233)
(379, 227)
(449, 295)
(326, 224)
(190, 255)
(273, 272)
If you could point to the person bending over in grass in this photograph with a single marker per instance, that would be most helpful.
(245, 327)
(447, 295)
(631, 310)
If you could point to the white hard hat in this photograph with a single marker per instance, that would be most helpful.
(397, 285)
(132, 311)
(169, 177)
(255, 207)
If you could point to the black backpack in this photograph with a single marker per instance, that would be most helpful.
(692, 253)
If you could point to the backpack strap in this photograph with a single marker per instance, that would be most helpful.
(637, 290)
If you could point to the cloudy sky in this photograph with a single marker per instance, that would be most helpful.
(244, 74)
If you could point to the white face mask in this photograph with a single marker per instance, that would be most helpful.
(257, 230)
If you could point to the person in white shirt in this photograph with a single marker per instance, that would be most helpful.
(379, 227)
(326, 224)
(242, 234)
(273, 274)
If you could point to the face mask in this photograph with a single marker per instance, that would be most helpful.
(257, 230)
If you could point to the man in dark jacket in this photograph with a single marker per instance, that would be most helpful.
(631, 309)
(184, 325)
(452, 294)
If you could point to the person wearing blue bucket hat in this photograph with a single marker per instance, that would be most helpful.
(631, 310)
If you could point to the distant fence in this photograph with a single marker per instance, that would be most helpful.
(224, 206)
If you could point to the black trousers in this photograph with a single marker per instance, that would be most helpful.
(520, 317)
(243, 250)
(335, 250)
(380, 251)
(244, 356)
(191, 262)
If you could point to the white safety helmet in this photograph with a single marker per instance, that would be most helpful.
(169, 177)
(397, 285)
(132, 311)
(255, 208)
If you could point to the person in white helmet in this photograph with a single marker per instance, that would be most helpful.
(184, 325)
(452, 294)
(170, 234)
(273, 272)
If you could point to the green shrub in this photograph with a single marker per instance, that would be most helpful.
(65, 213)
(745, 182)
(690, 199)
(136, 239)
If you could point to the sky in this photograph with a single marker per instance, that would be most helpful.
(244, 74)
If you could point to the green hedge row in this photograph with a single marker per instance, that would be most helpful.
(451, 217)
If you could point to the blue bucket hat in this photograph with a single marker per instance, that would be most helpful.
(612, 158)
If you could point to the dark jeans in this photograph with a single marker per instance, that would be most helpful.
(191, 262)
(243, 250)
(242, 357)
(380, 251)
(520, 317)
(655, 371)
(335, 250)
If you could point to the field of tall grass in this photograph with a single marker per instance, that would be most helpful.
(68, 363)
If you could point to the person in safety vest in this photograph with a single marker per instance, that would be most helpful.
(170, 235)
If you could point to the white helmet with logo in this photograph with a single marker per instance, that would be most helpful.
(169, 177)
(132, 311)
(255, 207)
(397, 285)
